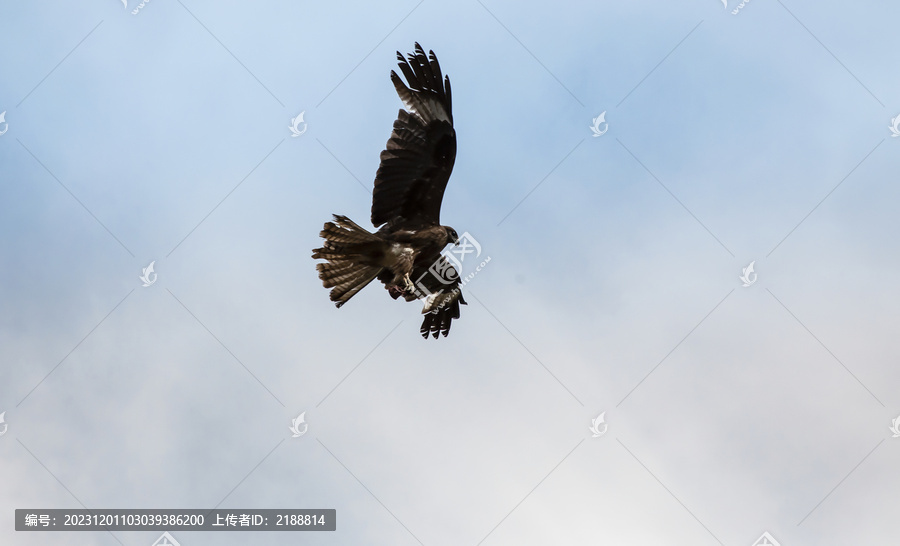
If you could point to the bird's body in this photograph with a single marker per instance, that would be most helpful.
(406, 203)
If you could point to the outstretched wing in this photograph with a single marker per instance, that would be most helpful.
(438, 285)
(418, 159)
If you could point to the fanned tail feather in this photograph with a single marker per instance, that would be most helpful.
(352, 253)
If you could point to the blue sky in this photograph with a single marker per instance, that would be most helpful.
(613, 284)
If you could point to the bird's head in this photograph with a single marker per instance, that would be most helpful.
(452, 236)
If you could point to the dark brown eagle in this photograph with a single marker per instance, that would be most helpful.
(405, 252)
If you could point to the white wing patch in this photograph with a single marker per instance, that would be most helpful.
(437, 300)
(433, 109)
(436, 109)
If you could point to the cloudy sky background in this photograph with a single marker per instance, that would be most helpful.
(613, 282)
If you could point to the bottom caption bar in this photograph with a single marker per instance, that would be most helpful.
(176, 520)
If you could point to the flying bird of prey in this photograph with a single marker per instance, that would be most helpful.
(405, 252)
